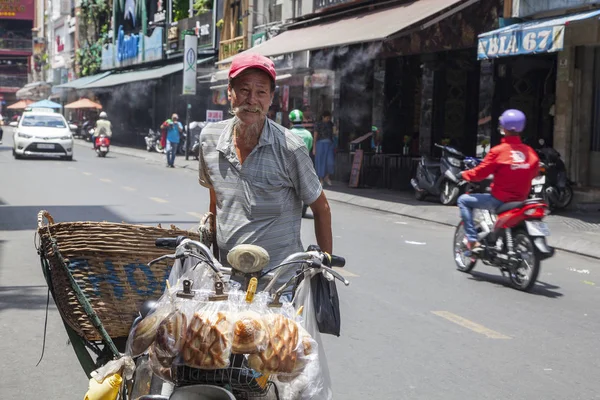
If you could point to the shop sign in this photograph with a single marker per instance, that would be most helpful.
(214, 115)
(319, 80)
(258, 38)
(189, 65)
(133, 49)
(521, 41)
(17, 9)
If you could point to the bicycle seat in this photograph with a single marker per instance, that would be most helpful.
(248, 258)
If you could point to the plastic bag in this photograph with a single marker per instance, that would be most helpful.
(327, 303)
(313, 382)
(124, 366)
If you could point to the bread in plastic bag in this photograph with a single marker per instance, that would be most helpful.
(144, 333)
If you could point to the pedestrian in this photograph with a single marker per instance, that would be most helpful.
(1, 125)
(324, 148)
(297, 119)
(258, 172)
(174, 129)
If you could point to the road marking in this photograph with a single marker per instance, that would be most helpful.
(417, 243)
(87, 173)
(159, 200)
(195, 214)
(105, 180)
(465, 323)
(401, 223)
(345, 272)
(129, 188)
(589, 283)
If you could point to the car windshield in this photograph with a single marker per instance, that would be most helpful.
(48, 121)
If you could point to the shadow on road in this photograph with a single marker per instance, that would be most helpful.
(540, 288)
(24, 297)
(18, 218)
(403, 197)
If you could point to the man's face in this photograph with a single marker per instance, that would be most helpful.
(251, 96)
(326, 119)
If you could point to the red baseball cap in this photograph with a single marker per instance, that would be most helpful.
(244, 61)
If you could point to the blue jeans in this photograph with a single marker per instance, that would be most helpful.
(324, 158)
(171, 150)
(467, 202)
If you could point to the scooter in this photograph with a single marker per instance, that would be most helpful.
(552, 184)
(153, 141)
(430, 178)
(102, 145)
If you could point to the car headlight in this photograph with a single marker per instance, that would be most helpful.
(454, 161)
(24, 135)
(66, 137)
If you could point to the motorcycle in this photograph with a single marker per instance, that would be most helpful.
(87, 130)
(552, 184)
(512, 237)
(187, 279)
(431, 179)
(102, 144)
(196, 129)
(153, 141)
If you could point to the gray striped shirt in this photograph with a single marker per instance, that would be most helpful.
(259, 202)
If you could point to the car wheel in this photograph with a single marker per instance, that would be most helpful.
(68, 158)
(16, 156)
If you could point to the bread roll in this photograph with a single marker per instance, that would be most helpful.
(249, 334)
(144, 334)
(170, 334)
(281, 352)
(208, 341)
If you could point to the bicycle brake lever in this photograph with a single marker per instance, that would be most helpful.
(336, 275)
(159, 259)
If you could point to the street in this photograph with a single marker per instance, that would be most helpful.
(413, 327)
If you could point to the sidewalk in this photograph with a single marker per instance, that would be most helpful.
(576, 230)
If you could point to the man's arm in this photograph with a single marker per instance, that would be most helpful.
(483, 170)
(322, 213)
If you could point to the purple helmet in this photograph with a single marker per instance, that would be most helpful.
(513, 120)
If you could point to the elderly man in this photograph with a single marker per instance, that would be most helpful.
(258, 172)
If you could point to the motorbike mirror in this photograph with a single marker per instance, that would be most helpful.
(541, 142)
(448, 174)
(248, 258)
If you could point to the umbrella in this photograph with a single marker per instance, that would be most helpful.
(44, 104)
(84, 103)
(20, 105)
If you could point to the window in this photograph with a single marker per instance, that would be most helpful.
(47, 121)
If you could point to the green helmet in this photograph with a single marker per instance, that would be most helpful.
(296, 116)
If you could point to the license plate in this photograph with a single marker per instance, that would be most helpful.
(45, 146)
(103, 148)
(540, 180)
(537, 228)
(538, 188)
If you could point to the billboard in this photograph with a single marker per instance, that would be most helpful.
(17, 9)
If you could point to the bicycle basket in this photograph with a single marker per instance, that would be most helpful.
(108, 261)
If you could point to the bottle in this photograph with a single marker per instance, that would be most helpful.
(107, 390)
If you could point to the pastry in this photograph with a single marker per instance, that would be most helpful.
(144, 334)
(171, 332)
(208, 341)
(159, 365)
(249, 334)
(281, 352)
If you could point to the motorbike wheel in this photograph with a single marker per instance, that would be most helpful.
(565, 198)
(463, 263)
(159, 148)
(449, 193)
(524, 277)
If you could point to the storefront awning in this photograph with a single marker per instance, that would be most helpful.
(139, 75)
(533, 37)
(81, 82)
(363, 28)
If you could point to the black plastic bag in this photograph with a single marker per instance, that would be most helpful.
(327, 305)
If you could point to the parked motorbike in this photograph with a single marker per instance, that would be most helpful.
(552, 184)
(196, 129)
(87, 130)
(153, 141)
(102, 145)
(430, 178)
(512, 237)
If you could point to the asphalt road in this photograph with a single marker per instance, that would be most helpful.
(413, 327)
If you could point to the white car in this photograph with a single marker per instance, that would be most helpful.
(42, 134)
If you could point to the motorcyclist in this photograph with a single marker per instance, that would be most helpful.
(297, 119)
(513, 164)
(103, 127)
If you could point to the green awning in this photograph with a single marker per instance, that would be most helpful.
(81, 82)
(116, 79)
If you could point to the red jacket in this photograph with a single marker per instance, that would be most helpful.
(513, 165)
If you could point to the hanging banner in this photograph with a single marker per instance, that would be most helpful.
(189, 64)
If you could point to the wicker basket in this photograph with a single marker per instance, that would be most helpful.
(109, 264)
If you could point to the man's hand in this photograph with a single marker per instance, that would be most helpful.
(322, 213)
